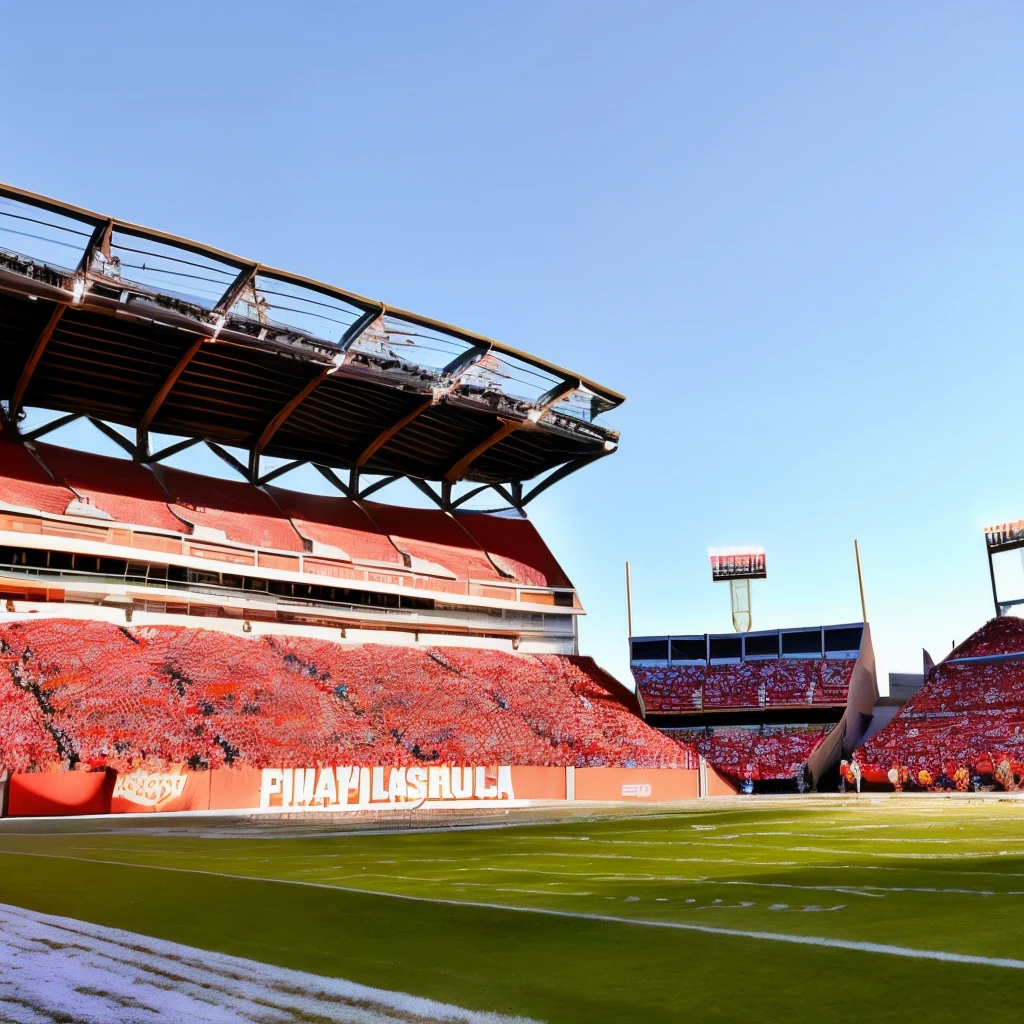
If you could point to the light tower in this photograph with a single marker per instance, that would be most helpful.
(739, 566)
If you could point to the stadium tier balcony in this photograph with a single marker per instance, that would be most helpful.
(338, 524)
(25, 483)
(124, 490)
(243, 513)
(968, 714)
(150, 696)
(516, 546)
(434, 537)
(758, 753)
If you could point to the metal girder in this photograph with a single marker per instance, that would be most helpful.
(165, 389)
(25, 377)
(281, 416)
(46, 428)
(389, 432)
(280, 471)
(329, 475)
(118, 439)
(226, 456)
(166, 453)
(246, 276)
(98, 240)
(560, 474)
(545, 402)
(373, 488)
(462, 362)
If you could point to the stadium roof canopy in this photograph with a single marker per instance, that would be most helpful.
(125, 325)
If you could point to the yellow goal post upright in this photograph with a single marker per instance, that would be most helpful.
(738, 566)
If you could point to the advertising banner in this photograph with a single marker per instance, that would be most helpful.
(646, 785)
(175, 789)
(343, 788)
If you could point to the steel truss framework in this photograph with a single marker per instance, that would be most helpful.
(284, 387)
(350, 484)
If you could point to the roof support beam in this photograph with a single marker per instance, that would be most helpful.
(25, 378)
(331, 477)
(373, 488)
(226, 456)
(46, 428)
(164, 390)
(561, 473)
(118, 439)
(389, 432)
(281, 416)
(244, 279)
(166, 453)
(99, 241)
(545, 402)
(275, 473)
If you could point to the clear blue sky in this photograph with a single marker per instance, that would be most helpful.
(792, 234)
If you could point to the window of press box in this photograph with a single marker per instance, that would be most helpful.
(762, 646)
(803, 642)
(650, 650)
(726, 647)
(847, 639)
(690, 649)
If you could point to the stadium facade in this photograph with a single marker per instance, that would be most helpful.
(174, 637)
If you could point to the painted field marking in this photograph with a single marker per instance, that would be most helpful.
(821, 942)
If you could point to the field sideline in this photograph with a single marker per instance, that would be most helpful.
(852, 911)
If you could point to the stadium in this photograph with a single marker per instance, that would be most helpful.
(312, 714)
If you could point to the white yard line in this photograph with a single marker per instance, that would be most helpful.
(823, 942)
(50, 966)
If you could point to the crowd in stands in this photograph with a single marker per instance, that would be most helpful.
(755, 752)
(79, 693)
(679, 689)
(967, 717)
(58, 481)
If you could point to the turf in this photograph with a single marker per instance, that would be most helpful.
(942, 877)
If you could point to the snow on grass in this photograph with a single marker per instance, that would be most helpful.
(56, 969)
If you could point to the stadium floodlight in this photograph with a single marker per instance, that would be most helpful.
(738, 566)
(1006, 574)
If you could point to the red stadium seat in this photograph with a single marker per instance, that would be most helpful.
(124, 698)
(434, 536)
(759, 753)
(337, 523)
(514, 543)
(966, 715)
(24, 482)
(243, 513)
(125, 490)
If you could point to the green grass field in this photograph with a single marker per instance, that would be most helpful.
(672, 916)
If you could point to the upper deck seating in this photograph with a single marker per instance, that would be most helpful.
(337, 523)
(25, 483)
(125, 698)
(435, 537)
(241, 512)
(127, 491)
(967, 714)
(778, 682)
(514, 543)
